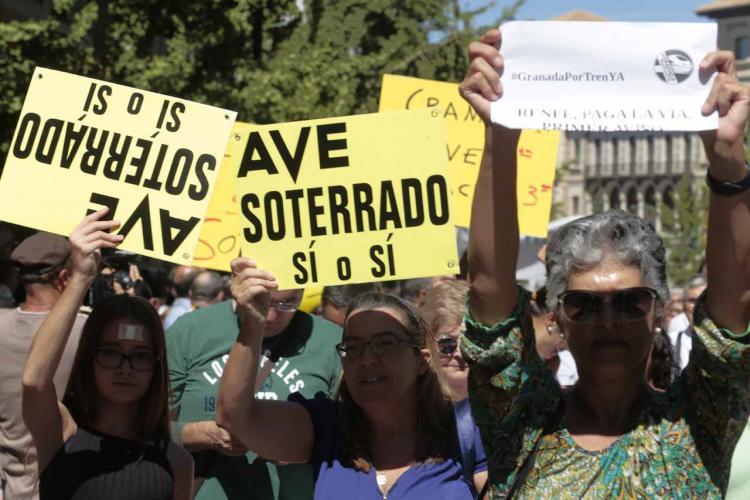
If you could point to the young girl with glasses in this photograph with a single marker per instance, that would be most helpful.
(389, 433)
(109, 438)
(611, 435)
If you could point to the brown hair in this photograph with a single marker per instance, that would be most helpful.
(436, 427)
(81, 395)
(444, 304)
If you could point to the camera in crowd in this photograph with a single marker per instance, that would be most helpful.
(119, 273)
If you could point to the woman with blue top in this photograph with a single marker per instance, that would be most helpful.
(391, 431)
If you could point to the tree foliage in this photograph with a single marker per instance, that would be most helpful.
(684, 229)
(270, 60)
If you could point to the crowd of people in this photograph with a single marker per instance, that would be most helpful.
(123, 380)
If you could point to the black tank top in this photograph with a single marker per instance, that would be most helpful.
(93, 466)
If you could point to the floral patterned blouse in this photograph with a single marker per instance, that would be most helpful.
(681, 446)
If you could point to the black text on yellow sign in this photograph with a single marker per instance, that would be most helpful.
(346, 200)
(83, 144)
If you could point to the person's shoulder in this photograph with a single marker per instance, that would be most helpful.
(321, 408)
(324, 327)
(7, 313)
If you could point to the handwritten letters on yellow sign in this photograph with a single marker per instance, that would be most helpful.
(464, 146)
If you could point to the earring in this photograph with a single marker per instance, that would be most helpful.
(551, 327)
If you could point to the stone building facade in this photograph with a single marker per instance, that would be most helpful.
(637, 171)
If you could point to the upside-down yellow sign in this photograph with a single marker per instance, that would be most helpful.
(82, 143)
(346, 200)
(537, 154)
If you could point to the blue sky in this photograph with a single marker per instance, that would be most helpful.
(615, 10)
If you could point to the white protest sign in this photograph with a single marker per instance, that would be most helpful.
(605, 76)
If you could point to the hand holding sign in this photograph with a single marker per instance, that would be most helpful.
(87, 240)
(251, 288)
(482, 83)
(730, 98)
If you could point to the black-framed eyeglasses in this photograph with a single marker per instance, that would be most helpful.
(382, 345)
(447, 345)
(629, 304)
(112, 358)
(284, 306)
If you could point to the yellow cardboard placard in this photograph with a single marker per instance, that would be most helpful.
(537, 157)
(219, 240)
(346, 200)
(464, 147)
(83, 143)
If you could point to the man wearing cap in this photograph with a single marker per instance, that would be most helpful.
(43, 264)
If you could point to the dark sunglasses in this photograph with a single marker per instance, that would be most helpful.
(447, 345)
(629, 304)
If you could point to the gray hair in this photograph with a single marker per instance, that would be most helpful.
(411, 288)
(697, 281)
(342, 295)
(584, 243)
(206, 285)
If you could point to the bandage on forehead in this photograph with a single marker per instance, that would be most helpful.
(130, 332)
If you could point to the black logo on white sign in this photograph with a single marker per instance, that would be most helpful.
(673, 66)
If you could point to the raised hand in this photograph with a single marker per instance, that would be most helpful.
(482, 85)
(86, 242)
(251, 288)
(729, 97)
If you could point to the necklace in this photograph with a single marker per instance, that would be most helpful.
(382, 480)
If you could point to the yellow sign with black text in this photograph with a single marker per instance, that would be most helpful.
(537, 151)
(346, 200)
(81, 144)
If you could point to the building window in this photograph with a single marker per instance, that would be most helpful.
(742, 47)
(598, 152)
(632, 201)
(615, 151)
(576, 203)
(650, 151)
(670, 151)
(614, 198)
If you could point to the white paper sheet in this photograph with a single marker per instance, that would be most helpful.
(605, 76)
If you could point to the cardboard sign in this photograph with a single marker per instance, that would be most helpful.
(219, 240)
(579, 76)
(465, 129)
(346, 200)
(82, 143)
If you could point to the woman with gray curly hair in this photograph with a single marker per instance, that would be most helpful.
(611, 434)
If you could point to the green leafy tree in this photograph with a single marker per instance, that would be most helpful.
(272, 61)
(684, 228)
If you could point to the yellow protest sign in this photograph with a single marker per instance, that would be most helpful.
(82, 143)
(346, 200)
(537, 157)
(464, 147)
(311, 299)
(219, 240)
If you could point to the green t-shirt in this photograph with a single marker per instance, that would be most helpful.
(198, 346)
